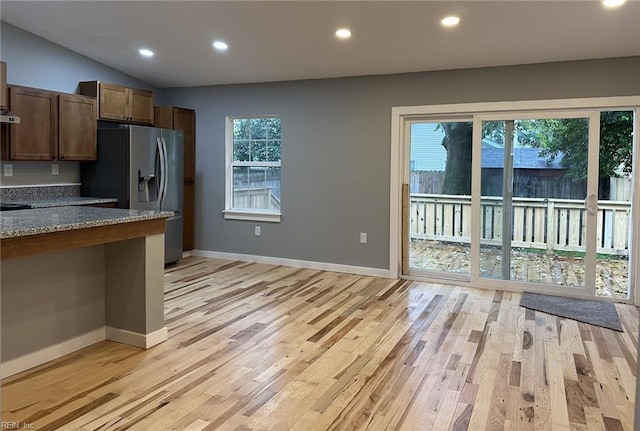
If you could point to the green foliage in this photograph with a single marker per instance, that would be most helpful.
(528, 133)
(568, 137)
(257, 139)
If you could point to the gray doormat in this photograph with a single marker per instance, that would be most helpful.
(598, 313)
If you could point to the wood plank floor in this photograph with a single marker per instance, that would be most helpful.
(264, 347)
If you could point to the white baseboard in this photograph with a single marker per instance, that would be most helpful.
(334, 267)
(30, 360)
(136, 339)
(39, 357)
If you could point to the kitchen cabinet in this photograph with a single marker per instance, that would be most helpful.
(188, 216)
(35, 137)
(3, 84)
(77, 127)
(120, 103)
(52, 126)
(171, 117)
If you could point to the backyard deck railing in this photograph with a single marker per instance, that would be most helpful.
(551, 224)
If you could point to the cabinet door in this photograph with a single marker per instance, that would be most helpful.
(163, 117)
(188, 216)
(185, 120)
(141, 106)
(114, 101)
(35, 137)
(3, 84)
(76, 127)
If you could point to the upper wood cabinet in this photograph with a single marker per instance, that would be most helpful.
(3, 84)
(35, 137)
(77, 127)
(52, 126)
(171, 117)
(119, 103)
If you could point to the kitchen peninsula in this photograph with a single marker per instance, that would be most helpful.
(75, 275)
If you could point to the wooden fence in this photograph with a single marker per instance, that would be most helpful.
(262, 197)
(551, 224)
(556, 187)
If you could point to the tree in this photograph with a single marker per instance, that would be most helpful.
(558, 137)
(569, 138)
(458, 143)
(256, 139)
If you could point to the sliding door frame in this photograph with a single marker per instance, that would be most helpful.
(588, 290)
(399, 116)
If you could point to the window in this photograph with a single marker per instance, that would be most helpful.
(253, 168)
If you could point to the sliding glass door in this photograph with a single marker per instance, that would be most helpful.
(439, 203)
(533, 200)
(547, 220)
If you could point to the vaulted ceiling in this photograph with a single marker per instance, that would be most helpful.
(275, 41)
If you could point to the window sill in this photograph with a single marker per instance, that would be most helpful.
(271, 217)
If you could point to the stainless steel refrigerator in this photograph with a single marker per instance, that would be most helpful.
(142, 167)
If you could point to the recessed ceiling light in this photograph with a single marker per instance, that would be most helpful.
(613, 3)
(220, 45)
(343, 33)
(146, 52)
(450, 21)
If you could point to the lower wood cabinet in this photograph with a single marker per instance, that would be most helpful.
(188, 215)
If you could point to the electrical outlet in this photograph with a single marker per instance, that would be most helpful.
(55, 169)
(8, 170)
(363, 237)
(257, 231)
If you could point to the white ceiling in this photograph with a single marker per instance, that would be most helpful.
(275, 41)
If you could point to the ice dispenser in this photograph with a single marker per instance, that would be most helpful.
(147, 190)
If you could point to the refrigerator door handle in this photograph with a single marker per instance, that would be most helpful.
(160, 178)
(165, 176)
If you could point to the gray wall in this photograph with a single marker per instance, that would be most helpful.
(36, 62)
(63, 298)
(336, 148)
(336, 140)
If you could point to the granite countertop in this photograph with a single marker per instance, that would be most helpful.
(63, 201)
(46, 220)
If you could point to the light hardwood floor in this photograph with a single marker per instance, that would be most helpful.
(264, 347)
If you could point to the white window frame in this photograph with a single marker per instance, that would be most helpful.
(231, 213)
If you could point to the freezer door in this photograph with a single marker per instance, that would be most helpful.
(144, 166)
(173, 196)
(173, 239)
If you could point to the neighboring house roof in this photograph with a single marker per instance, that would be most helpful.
(428, 154)
(523, 158)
